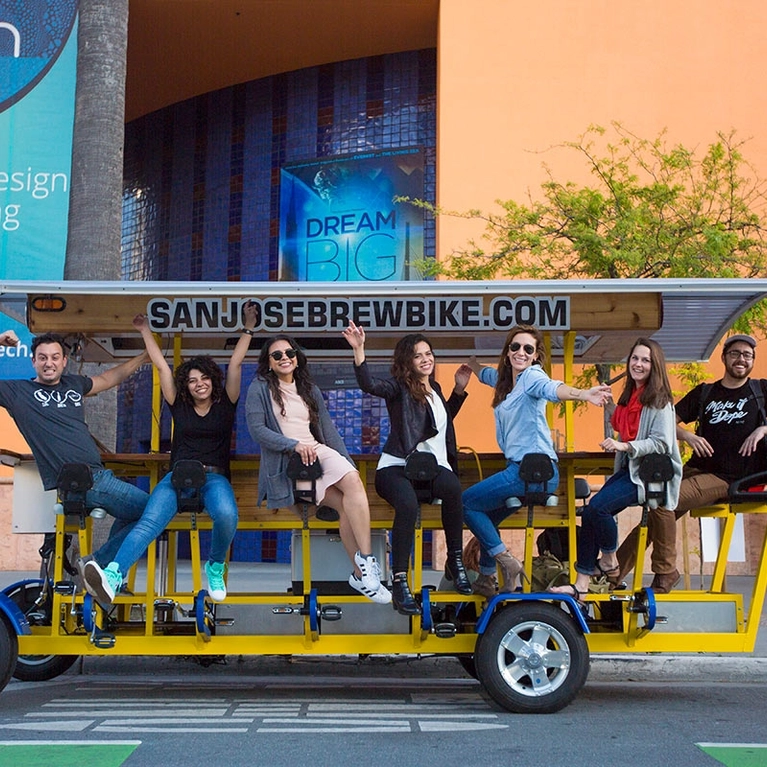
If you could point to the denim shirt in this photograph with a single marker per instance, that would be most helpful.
(520, 420)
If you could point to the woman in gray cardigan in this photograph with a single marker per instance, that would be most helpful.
(646, 423)
(286, 414)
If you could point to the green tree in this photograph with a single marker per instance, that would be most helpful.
(653, 210)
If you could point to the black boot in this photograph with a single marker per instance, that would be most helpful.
(456, 572)
(402, 598)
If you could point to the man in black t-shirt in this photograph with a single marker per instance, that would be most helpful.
(48, 412)
(728, 443)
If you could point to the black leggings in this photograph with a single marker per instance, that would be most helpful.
(395, 488)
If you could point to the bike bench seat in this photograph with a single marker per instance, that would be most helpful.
(747, 495)
(72, 484)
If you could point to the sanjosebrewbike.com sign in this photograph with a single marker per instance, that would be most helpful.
(409, 314)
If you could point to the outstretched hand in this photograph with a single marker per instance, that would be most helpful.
(140, 322)
(354, 335)
(599, 395)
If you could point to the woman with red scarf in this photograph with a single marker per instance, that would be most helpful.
(645, 422)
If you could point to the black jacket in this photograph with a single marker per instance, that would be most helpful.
(411, 421)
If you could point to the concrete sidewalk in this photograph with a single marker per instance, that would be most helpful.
(682, 667)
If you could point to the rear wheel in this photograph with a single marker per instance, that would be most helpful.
(9, 649)
(37, 668)
(532, 658)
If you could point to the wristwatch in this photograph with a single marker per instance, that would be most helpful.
(249, 331)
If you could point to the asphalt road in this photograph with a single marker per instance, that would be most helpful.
(278, 711)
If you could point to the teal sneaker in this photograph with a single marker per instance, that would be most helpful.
(215, 572)
(102, 584)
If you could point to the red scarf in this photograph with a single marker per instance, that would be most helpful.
(625, 418)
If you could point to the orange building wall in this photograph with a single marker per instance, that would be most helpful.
(515, 78)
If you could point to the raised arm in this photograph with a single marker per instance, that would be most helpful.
(167, 383)
(117, 374)
(355, 337)
(8, 338)
(234, 369)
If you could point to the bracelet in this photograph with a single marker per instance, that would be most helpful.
(249, 331)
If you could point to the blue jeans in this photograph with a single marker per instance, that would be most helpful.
(218, 499)
(121, 500)
(599, 531)
(484, 509)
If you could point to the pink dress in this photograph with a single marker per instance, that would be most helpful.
(295, 425)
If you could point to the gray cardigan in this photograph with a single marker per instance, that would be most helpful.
(656, 434)
(276, 448)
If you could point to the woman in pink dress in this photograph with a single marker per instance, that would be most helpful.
(286, 414)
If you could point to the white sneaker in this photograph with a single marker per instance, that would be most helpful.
(215, 572)
(380, 595)
(102, 584)
(371, 571)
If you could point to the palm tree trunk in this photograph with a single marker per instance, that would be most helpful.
(95, 212)
(95, 207)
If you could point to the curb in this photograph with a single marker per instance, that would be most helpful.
(679, 668)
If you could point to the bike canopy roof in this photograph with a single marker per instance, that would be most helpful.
(599, 319)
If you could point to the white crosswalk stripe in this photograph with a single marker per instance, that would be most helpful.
(440, 712)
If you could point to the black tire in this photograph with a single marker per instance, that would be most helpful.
(37, 668)
(9, 650)
(532, 659)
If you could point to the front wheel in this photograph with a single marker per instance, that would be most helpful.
(37, 668)
(9, 650)
(532, 658)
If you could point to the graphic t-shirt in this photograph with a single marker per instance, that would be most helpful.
(205, 438)
(51, 420)
(728, 417)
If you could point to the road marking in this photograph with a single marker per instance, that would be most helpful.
(407, 713)
(50, 726)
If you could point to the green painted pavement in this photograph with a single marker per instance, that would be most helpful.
(737, 754)
(64, 754)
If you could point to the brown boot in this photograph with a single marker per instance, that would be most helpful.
(662, 583)
(510, 568)
(485, 585)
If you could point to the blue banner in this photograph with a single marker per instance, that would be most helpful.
(338, 220)
(38, 67)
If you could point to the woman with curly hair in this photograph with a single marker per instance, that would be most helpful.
(522, 389)
(202, 403)
(286, 414)
(421, 419)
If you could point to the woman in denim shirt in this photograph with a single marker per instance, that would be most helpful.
(522, 389)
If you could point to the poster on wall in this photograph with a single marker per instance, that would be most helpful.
(38, 65)
(339, 221)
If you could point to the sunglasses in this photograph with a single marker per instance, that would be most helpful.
(289, 353)
(515, 346)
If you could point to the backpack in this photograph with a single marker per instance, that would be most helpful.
(548, 571)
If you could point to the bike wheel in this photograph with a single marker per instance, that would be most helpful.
(532, 658)
(37, 668)
(9, 649)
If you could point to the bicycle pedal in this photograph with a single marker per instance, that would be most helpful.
(445, 630)
(65, 587)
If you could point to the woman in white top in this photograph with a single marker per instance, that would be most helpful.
(420, 419)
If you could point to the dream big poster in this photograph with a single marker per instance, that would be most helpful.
(339, 221)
